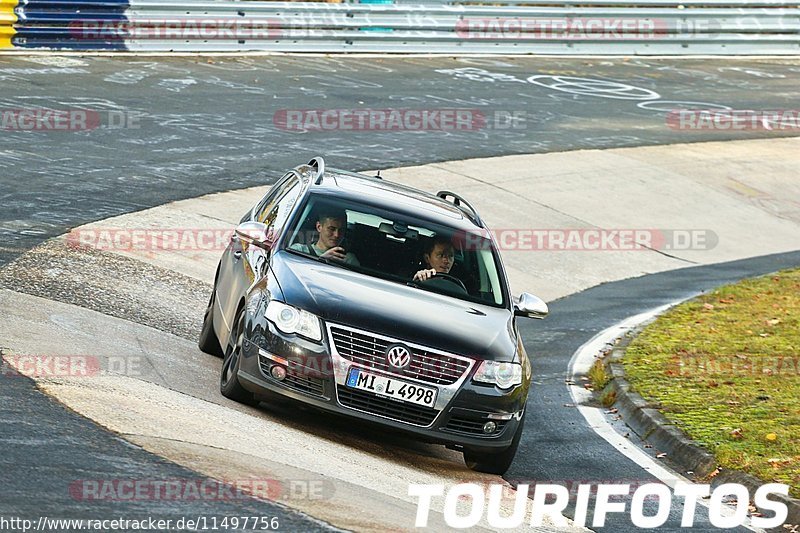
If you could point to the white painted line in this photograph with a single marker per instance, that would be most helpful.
(582, 360)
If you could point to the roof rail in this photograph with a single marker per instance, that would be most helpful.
(352, 174)
(319, 164)
(463, 205)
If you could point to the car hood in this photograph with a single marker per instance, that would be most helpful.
(342, 296)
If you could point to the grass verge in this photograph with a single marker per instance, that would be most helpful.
(725, 368)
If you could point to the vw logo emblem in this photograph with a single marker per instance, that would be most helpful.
(398, 356)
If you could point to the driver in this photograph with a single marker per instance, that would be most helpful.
(438, 255)
(331, 225)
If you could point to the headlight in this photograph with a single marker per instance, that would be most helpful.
(504, 375)
(289, 319)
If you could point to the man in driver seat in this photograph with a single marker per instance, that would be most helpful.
(331, 225)
(439, 254)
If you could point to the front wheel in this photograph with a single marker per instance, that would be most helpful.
(498, 462)
(229, 384)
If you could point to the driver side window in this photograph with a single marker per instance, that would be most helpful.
(265, 205)
(276, 214)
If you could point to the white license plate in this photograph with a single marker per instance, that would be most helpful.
(391, 388)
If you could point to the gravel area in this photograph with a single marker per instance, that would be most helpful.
(110, 284)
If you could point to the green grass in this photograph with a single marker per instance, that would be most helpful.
(725, 368)
(598, 376)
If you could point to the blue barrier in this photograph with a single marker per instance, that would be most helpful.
(84, 25)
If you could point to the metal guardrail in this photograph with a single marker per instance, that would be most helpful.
(502, 27)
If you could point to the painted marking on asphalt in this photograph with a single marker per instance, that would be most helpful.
(582, 360)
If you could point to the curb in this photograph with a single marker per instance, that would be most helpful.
(651, 425)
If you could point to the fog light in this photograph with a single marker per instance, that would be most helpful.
(277, 372)
(489, 427)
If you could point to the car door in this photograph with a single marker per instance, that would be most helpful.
(225, 284)
(274, 215)
(243, 263)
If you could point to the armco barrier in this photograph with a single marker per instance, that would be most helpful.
(7, 20)
(500, 26)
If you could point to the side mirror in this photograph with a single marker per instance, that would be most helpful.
(254, 233)
(530, 306)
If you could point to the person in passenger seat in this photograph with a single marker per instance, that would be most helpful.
(331, 226)
(438, 255)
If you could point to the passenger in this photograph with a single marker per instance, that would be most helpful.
(331, 226)
(438, 255)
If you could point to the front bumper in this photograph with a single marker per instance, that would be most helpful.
(316, 375)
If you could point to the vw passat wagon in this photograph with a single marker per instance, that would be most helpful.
(379, 302)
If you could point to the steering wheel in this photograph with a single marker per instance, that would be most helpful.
(452, 279)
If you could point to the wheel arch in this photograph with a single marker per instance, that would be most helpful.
(234, 323)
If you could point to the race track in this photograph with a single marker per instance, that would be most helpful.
(203, 126)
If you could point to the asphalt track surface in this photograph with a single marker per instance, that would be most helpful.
(54, 462)
(207, 125)
(177, 128)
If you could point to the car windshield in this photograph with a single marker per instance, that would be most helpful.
(396, 247)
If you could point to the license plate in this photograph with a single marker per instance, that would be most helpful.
(391, 388)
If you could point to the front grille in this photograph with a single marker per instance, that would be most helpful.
(294, 379)
(377, 405)
(370, 351)
(473, 427)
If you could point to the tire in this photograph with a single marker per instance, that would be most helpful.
(208, 342)
(229, 384)
(495, 463)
